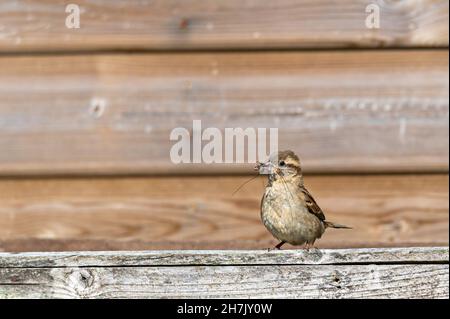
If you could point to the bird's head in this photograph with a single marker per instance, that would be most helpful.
(282, 164)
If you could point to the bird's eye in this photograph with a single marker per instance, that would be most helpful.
(282, 163)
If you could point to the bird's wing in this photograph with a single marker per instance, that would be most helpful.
(313, 208)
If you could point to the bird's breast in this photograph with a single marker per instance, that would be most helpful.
(286, 216)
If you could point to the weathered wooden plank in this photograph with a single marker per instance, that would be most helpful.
(113, 114)
(336, 281)
(120, 244)
(202, 213)
(108, 244)
(193, 24)
(411, 255)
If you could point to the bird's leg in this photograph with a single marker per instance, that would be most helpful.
(309, 246)
(281, 243)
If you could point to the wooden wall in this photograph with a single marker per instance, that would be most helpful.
(221, 24)
(85, 118)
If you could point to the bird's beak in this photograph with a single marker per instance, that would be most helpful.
(264, 168)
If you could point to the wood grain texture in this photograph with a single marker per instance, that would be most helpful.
(364, 281)
(231, 24)
(356, 256)
(392, 279)
(112, 114)
(200, 212)
(119, 244)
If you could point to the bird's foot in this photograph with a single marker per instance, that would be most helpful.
(311, 248)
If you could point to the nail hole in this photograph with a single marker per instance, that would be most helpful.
(97, 107)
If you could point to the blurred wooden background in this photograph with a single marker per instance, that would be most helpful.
(85, 117)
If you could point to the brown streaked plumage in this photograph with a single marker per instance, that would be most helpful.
(288, 210)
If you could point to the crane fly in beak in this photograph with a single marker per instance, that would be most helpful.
(264, 168)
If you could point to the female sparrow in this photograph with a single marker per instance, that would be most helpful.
(288, 210)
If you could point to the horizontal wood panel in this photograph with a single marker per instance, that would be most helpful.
(356, 273)
(201, 212)
(363, 281)
(76, 244)
(113, 114)
(194, 24)
(355, 256)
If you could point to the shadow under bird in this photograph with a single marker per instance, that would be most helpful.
(288, 210)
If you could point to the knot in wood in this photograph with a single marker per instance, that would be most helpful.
(81, 279)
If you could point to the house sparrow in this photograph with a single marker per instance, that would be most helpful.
(288, 210)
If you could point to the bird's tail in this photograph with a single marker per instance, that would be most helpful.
(334, 225)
